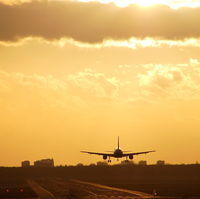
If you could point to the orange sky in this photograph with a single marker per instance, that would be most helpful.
(75, 75)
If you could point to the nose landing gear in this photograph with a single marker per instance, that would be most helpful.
(109, 160)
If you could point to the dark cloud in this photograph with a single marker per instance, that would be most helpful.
(94, 22)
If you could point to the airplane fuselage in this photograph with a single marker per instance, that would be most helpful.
(118, 153)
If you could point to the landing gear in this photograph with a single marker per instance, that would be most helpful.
(109, 161)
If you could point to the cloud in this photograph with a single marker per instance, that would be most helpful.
(132, 43)
(94, 22)
(20, 91)
(72, 92)
(150, 83)
(171, 81)
(11, 2)
(91, 84)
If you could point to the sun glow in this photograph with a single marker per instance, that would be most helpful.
(175, 4)
(143, 3)
(146, 3)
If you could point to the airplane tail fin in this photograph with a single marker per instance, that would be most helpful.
(118, 143)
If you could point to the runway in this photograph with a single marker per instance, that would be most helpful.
(40, 191)
(97, 191)
(77, 189)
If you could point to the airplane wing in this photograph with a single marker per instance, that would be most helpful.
(95, 153)
(138, 153)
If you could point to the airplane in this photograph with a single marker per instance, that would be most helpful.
(117, 153)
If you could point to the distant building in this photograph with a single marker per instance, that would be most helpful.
(92, 165)
(101, 163)
(44, 163)
(127, 162)
(160, 162)
(26, 163)
(79, 165)
(142, 162)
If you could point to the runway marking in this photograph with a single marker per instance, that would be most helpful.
(40, 191)
(136, 193)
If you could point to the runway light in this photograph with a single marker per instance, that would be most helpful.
(7, 190)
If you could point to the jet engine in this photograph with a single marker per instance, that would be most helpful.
(130, 157)
(104, 157)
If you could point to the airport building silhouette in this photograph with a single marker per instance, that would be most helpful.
(26, 163)
(39, 163)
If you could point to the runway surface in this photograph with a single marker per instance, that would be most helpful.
(76, 189)
(40, 191)
(97, 191)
